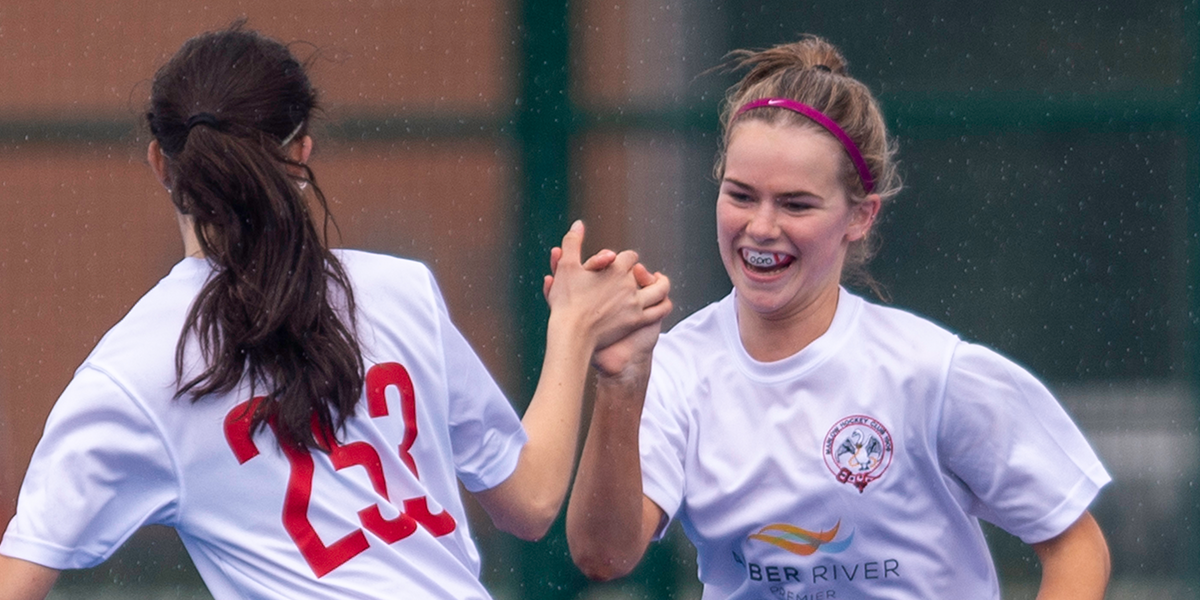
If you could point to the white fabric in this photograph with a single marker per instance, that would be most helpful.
(120, 452)
(735, 448)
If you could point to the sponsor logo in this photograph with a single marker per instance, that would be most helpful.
(857, 450)
(818, 574)
(802, 541)
(815, 578)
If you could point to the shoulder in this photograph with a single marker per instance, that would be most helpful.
(703, 325)
(977, 367)
(903, 334)
(981, 380)
(690, 350)
(901, 322)
(913, 336)
(144, 340)
(98, 409)
(381, 277)
(398, 307)
(380, 268)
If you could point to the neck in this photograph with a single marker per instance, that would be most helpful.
(187, 230)
(768, 338)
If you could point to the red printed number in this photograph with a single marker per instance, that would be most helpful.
(325, 558)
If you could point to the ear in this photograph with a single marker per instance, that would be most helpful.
(301, 149)
(158, 163)
(862, 217)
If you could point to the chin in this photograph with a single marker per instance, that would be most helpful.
(764, 305)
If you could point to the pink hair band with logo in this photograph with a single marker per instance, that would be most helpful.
(856, 157)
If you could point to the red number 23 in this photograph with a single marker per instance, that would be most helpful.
(325, 558)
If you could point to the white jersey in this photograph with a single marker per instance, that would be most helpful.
(856, 468)
(378, 516)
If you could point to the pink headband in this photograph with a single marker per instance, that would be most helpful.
(856, 157)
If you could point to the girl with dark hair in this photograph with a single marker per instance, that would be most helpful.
(813, 444)
(302, 417)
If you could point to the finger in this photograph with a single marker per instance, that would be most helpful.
(659, 311)
(626, 260)
(643, 276)
(572, 244)
(555, 256)
(547, 281)
(600, 260)
(656, 292)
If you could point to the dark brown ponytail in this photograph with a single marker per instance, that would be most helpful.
(278, 311)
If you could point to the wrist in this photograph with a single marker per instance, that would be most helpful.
(569, 333)
(634, 375)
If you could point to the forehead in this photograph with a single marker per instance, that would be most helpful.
(784, 156)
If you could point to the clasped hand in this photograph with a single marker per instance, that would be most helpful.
(614, 299)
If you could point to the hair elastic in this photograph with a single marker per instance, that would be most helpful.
(864, 173)
(202, 119)
(291, 136)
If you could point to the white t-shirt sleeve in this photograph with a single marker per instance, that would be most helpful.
(1003, 434)
(485, 433)
(100, 471)
(662, 441)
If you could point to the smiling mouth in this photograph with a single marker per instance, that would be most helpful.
(766, 262)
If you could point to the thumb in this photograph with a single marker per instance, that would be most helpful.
(572, 244)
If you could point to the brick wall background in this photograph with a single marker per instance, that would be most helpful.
(85, 229)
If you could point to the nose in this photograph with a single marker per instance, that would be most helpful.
(763, 225)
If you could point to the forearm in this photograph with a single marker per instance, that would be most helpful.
(605, 518)
(23, 580)
(527, 503)
(611, 306)
(1075, 565)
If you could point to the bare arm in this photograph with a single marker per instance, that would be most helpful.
(23, 580)
(1075, 564)
(591, 306)
(610, 522)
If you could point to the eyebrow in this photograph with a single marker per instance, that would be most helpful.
(787, 195)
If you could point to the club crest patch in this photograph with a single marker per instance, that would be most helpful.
(857, 450)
